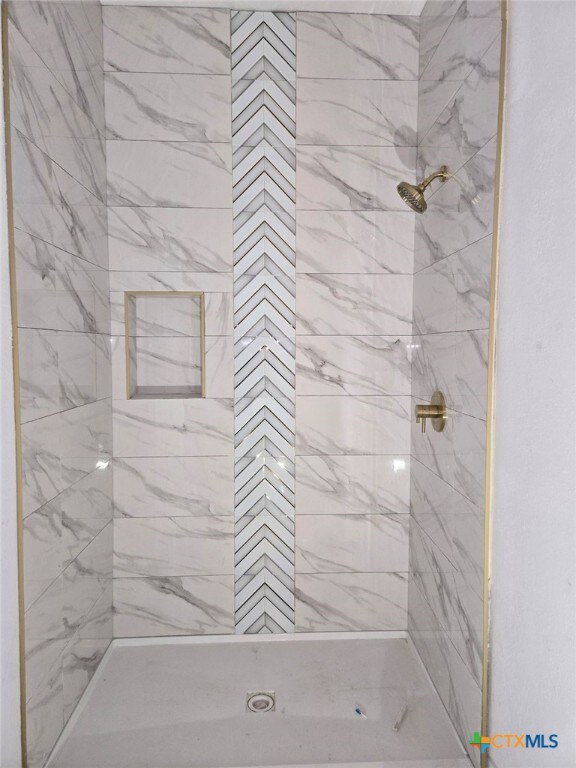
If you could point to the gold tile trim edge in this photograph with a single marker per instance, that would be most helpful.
(16, 375)
(486, 647)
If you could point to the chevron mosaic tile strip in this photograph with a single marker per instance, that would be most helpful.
(264, 191)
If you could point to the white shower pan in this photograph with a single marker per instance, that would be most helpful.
(359, 699)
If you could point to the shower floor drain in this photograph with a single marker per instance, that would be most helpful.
(261, 701)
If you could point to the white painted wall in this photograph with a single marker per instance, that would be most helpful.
(9, 654)
(534, 520)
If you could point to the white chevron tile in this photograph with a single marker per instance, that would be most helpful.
(263, 179)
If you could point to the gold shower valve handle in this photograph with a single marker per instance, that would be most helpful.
(435, 411)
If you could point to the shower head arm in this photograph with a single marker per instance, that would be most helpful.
(441, 174)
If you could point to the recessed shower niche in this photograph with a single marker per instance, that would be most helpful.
(165, 344)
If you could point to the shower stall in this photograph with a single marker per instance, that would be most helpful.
(253, 358)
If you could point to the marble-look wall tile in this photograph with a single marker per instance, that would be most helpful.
(52, 206)
(173, 546)
(353, 365)
(182, 605)
(352, 543)
(357, 46)
(469, 120)
(169, 174)
(350, 602)
(59, 172)
(68, 39)
(457, 454)
(352, 425)
(167, 107)
(173, 428)
(357, 112)
(355, 242)
(460, 212)
(458, 120)
(353, 304)
(46, 113)
(173, 486)
(170, 239)
(455, 363)
(81, 659)
(466, 40)
(454, 294)
(179, 40)
(352, 484)
(352, 178)
(58, 291)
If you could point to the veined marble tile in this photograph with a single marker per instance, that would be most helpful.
(173, 428)
(195, 40)
(40, 393)
(68, 38)
(41, 464)
(356, 543)
(355, 602)
(466, 40)
(433, 96)
(58, 371)
(458, 609)
(45, 112)
(208, 282)
(42, 532)
(52, 206)
(264, 426)
(167, 107)
(46, 637)
(352, 484)
(173, 606)
(85, 439)
(353, 365)
(170, 239)
(357, 112)
(91, 496)
(44, 718)
(58, 291)
(460, 212)
(85, 580)
(169, 174)
(457, 454)
(352, 425)
(174, 486)
(78, 533)
(456, 364)
(430, 640)
(433, 27)
(173, 546)
(352, 178)
(357, 46)
(470, 118)
(354, 304)
(355, 242)
(454, 294)
(99, 622)
(218, 309)
(80, 660)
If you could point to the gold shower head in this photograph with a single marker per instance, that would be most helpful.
(413, 194)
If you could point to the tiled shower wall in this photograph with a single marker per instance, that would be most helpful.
(457, 126)
(170, 190)
(168, 122)
(61, 259)
(356, 129)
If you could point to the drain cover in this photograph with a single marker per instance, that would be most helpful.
(261, 701)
